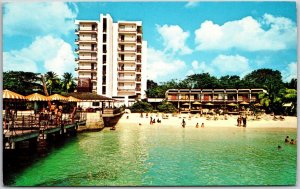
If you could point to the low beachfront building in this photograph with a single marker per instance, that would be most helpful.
(195, 100)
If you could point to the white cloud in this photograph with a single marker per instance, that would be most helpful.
(38, 18)
(54, 54)
(174, 38)
(162, 65)
(191, 4)
(200, 67)
(231, 64)
(222, 65)
(271, 33)
(290, 72)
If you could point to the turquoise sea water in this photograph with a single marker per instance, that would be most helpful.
(168, 156)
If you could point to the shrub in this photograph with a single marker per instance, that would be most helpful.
(141, 106)
(166, 107)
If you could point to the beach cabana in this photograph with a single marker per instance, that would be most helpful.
(10, 96)
(257, 104)
(197, 103)
(35, 97)
(196, 107)
(58, 97)
(244, 103)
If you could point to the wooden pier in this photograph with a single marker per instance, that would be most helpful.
(24, 127)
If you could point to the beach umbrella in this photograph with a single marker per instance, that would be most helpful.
(185, 104)
(73, 99)
(287, 105)
(257, 104)
(9, 95)
(197, 103)
(58, 97)
(244, 103)
(231, 104)
(37, 97)
(209, 104)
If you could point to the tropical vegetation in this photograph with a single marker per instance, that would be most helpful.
(26, 83)
(278, 93)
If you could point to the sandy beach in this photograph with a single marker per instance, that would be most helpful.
(265, 122)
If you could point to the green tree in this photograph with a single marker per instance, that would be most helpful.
(141, 106)
(24, 83)
(52, 82)
(271, 81)
(166, 107)
(202, 81)
(67, 83)
(230, 82)
(292, 84)
(288, 96)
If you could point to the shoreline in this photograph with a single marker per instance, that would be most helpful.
(231, 122)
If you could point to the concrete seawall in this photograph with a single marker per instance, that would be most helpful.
(94, 122)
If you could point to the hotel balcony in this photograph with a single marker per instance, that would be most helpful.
(124, 41)
(126, 70)
(127, 30)
(126, 60)
(126, 90)
(78, 30)
(122, 51)
(88, 59)
(85, 69)
(78, 50)
(86, 40)
(126, 79)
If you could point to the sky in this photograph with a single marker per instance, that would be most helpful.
(184, 38)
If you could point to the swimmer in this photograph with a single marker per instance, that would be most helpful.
(197, 125)
(279, 147)
(183, 123)
(293, 141)
(202, 125)
(287, 139)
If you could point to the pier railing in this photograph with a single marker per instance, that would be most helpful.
(26, 122)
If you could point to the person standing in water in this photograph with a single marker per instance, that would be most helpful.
(183, 123)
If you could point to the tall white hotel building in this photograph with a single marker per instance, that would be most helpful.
(113, 56)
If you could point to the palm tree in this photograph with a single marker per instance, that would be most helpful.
(68, 83)
(288, 96)
(52, 81)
